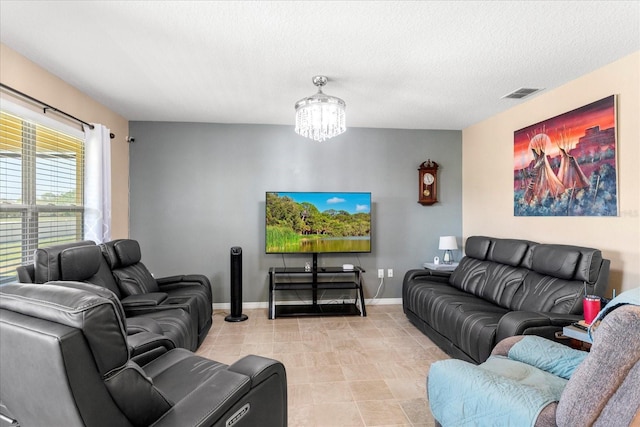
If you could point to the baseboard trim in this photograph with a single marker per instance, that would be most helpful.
(255, 305)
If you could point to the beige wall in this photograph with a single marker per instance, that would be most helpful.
(487, 172)
(19, 73)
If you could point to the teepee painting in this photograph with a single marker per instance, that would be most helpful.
(566, 165)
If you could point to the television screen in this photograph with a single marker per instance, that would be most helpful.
(317, 222)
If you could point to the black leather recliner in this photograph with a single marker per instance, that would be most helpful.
(137, 284)
(83, 262)
(148, 335)
(86, 264)
(64, 361)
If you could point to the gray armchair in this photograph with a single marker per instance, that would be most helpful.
(64, 360)
(533, 381)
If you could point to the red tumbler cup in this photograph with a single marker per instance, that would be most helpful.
(590, 307)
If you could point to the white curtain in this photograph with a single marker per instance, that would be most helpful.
(97, 184)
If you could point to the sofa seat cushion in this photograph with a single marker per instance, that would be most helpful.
(195, 296)
(176, 325)
(469, 322)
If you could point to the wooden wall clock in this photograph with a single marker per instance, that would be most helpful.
(428, 183)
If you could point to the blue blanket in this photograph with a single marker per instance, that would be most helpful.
(502, 390)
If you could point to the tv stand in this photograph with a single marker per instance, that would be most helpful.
(297, 278)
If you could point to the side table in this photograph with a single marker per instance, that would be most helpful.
(440, 267)
(579, 335)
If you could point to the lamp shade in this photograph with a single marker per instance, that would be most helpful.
(448, 243)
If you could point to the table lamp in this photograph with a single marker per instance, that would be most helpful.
(448, 244)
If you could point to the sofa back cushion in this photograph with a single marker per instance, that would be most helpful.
(47, 261)
(558, 278)
(133, 277)
(567, 262)
(79, 263)
(477, 247)
(541, 292)
(87, 264)
(525, 275)
(491, 268)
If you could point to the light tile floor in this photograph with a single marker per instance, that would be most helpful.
(341, 371)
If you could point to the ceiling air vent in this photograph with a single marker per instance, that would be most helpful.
(521, 93)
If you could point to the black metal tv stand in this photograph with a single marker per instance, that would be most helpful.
(299, 278)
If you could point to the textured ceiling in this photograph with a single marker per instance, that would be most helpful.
(412, 65)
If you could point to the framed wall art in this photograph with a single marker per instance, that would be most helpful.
(566, 165)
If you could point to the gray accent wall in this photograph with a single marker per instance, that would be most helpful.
(198, 189)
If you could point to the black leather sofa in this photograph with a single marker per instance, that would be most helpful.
(502, 288)
(64, 361)
(180, 311)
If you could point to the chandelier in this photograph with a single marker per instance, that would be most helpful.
(320, 116)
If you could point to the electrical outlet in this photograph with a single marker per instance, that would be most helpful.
(380, 273)
(390, 272)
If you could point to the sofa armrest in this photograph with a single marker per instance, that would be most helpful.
(533, 323)
(425, 274)
(437, 275)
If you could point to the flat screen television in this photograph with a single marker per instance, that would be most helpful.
(317, 222)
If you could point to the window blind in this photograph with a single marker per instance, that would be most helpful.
(41, 190)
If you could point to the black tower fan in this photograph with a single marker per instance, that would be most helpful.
(236, 287)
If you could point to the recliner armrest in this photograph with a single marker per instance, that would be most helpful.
(171, 282)
(258, 368)
(247, 389)
(532, 322)
(196, 278)
(169, 279)
(137, 325)
(208, 403)
(151, 299)
(26, 273)
(146, 346)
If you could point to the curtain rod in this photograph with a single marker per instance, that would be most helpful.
(49, 107)
(45, 105)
